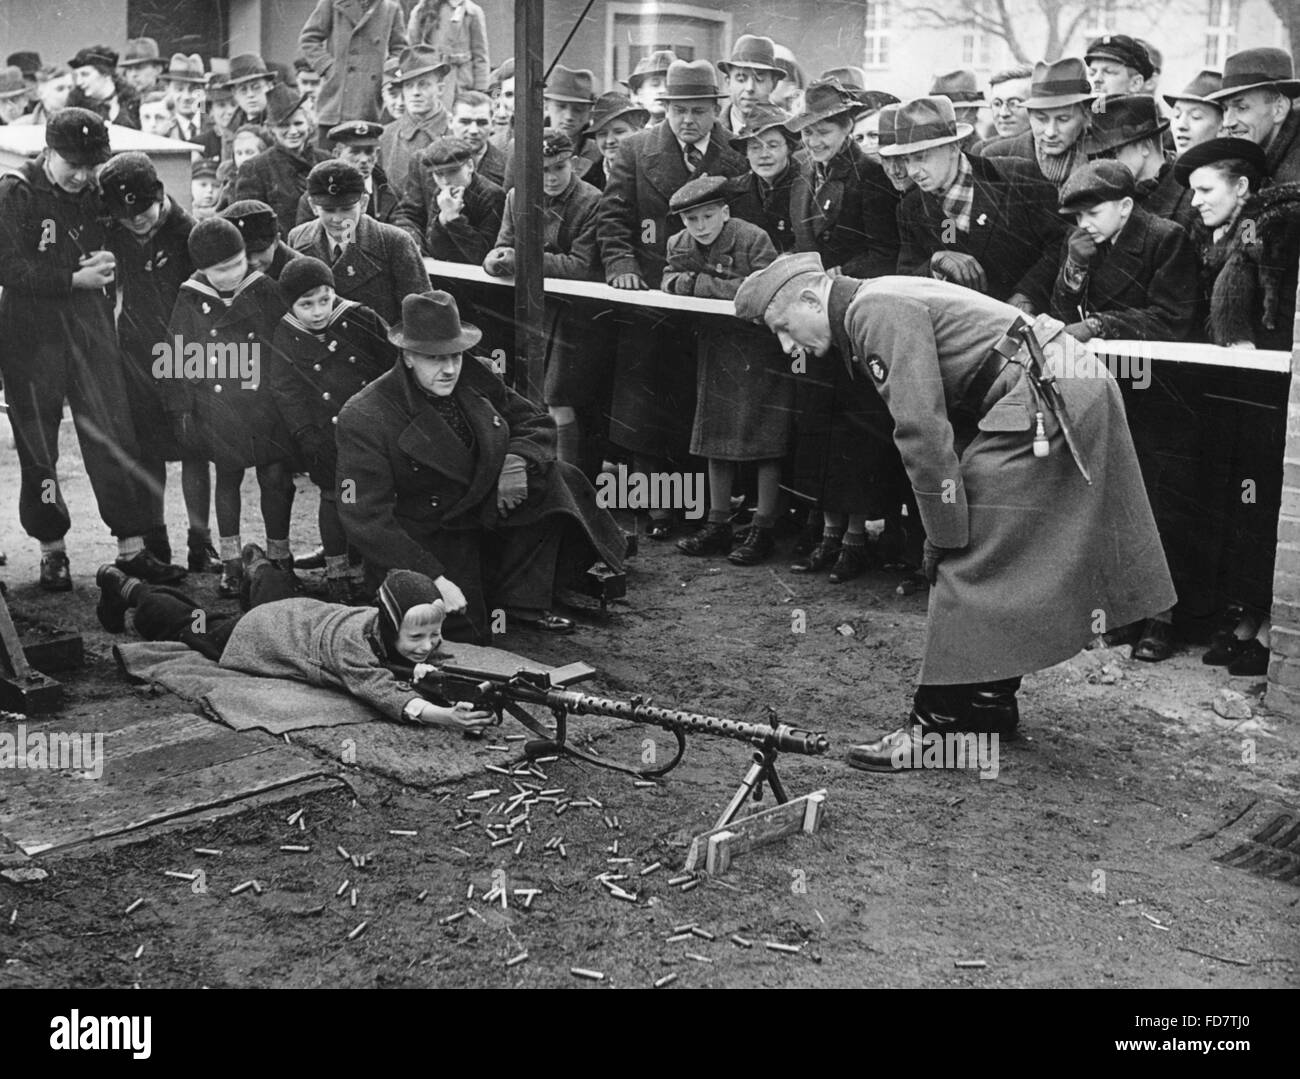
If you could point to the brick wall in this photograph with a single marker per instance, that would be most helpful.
(1283, 694)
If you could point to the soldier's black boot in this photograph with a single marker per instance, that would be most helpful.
(202, 556)
(158, 543)
(995, 710)
(117, 592)
(935, 709)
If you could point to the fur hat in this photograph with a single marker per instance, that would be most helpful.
(213, 241)
(302, 275)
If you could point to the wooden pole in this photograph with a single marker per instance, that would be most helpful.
(530, 338)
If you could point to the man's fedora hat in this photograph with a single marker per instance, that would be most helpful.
(566, 84)
(960, 87)
(755, 53)
(431, 325)
(1256, 69)
(851, 78)
(609, 107)
(691, 81)
(821, 101)
(923, 123)
(417, 61)
(764, 118)
(657, 63)
(1126, 118)
(1221, 149)
(887, 127)
(140, 50)
(1199, 89)
(1057, 85)
(188, 69)
(12, 83)
(246, 67)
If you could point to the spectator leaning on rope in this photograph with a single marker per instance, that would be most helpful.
(1249, 254)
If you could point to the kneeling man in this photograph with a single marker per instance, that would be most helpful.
(1039, 534)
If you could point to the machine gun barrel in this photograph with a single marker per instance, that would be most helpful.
(778, 736)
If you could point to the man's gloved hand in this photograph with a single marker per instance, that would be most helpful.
(512, 486)
(960, 269)
(931, 556)
(1082, 248)
(683, 284)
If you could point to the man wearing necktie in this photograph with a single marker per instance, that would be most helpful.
(654, 376)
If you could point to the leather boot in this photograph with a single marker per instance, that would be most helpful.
(202, 556)
(994, 709)
(935, 709)
(157, 543)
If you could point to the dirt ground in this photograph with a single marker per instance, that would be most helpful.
(1087, 861)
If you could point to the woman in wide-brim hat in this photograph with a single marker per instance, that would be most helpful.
(456, 478)
(614, 117)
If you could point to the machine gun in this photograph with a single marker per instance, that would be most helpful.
(499, 693)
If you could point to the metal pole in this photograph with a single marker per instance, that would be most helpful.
(530, 339)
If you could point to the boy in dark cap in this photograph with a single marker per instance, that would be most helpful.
(744, 399)
(257, 222)
(150, 239)
(56, 325)
(325, 350)
(373, 264)
(278, 176)
(286, 636)
(1124, 273)
(575, 371)
(205, 188)
(449, 209)
(100, 89)
(356, 143)
(215, 391)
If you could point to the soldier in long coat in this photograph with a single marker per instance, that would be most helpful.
(1027, 558)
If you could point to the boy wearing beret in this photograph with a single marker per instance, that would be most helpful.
(574, 369)
(1124, 273)
(743, 399)
(221, 406)
(57, 342)
(373, 263)
(325, 350)
(150, 239)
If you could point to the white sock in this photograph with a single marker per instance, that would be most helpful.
(277, 549)
(230, 547)
(129, 548)
(53, 547)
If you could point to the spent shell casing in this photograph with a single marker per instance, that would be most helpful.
(293, 817)
(450, 918)
(257, 887)
(343, 854)
(682, 879)
(208, 851)
(469, 892)
(422, 896)
(479, 796)
(295, 848)
(503, 841)
(777, 946)
(519, 847)
(190, 877)
(403, 831)
(241, 887)
(520, 958)
(139, 951)
(686, 928)
(343, 888)
(495, 768)
(651, 868)
(352, 898)
(667, 979)
(698, 958)
(644, 783)
(515, 737)
(703, 934)
(358, 931)
(677, 938)
(462, 824)
(690, 885)
(134, 906)
(590, 975)
(741, 942)
(547, 760)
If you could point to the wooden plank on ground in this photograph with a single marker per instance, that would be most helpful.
(156, 769)
(715, 849)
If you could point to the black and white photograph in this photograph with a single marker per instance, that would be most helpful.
(609, 494)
